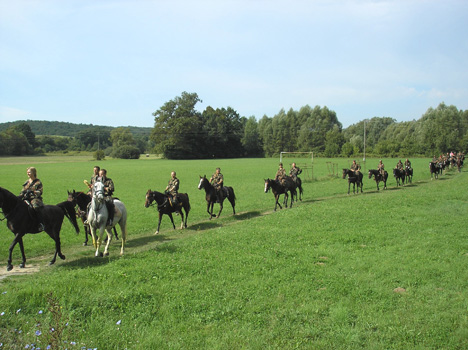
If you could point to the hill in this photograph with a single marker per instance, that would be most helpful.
(43, 127)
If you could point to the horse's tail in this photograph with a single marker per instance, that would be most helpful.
(233, 194)
(69, 211)
(188, 203)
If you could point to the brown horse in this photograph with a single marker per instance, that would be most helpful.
(165, 207)
(21, 220)
(278, 189)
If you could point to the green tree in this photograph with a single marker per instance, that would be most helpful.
(178, 128)
(251, 140)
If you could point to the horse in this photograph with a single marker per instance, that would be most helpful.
(378, 177)
(459, 164)
(399, 175)
(82, 200)
(212, 197)
(22, 220)
(278, 189)
(298, 183)
(353, 178)
(97, 219)
(167, 208)
(409, 174)
(434, 169)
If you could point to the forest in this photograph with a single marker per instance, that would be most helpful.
(182, 132)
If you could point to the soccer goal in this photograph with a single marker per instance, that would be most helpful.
(304, 160)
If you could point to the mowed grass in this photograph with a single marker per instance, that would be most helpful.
(376, 270)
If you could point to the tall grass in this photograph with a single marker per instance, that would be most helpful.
(376, 270)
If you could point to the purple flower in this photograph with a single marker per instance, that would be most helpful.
(119, 322)
(40, 312)
(38, 333)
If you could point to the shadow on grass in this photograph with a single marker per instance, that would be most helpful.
(247, 215)
(204, 225)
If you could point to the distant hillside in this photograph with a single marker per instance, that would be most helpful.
(43, 127)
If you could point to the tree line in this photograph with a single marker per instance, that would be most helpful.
(182, 132)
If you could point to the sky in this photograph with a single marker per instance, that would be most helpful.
(115, 62)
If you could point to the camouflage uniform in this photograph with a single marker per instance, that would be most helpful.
(355, 167)
(281, 174)
(408, 164)
(108, 191)
(217, 180)
(172, 189)
(294, 172)
(32, 192)
(399, 165)
(381, 168)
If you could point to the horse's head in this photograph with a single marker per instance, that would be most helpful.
(71, 197)
(267, 185)
(203, 182)
(370, 174)
(149, 198)
(98, 191)
(345, 172)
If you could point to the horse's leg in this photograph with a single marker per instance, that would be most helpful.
(18, 239)
(123, 228)
(233, 204)
(349, 186)
(220, 207)
(160, 215)
(109, 239)
(208, 209)
(172, 219)
(181, 220)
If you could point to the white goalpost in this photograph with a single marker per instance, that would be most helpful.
(308, 165)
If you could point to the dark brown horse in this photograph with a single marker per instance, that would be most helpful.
(399, 175)
(378, 177)
(82, 200)
(353, 178)
(211, 196)
(278, 189)
(21, 220)
(434, 169)
(165, 207)
(409, 174)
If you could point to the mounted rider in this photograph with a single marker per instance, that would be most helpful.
(108, 191)
(407, 164)
(356, 167)
(294, 172)
(94, 179)
(171, 191)
(281, 175)
(217, 180)
(32, 194)
(399, 165)
(381, 168)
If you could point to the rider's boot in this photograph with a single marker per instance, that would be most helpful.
(40, 219)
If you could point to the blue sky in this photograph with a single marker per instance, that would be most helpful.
(115, 62)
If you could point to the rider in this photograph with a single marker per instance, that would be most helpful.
(280, 174)
(32, 193)
(108, 191)
(94, 179)
(355, 167)
(217, 180)
(381, 168)
(171, 190)
(407, 163)
(294, 172)
(399, 165)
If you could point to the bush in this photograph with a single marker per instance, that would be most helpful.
(99, 155)
(126, 152)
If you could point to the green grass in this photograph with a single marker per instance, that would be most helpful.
(321, 275)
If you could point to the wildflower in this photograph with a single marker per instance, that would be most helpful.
(3, 313)
(72, 343)
(38, 332)
(119, 322)
(40, 312)
(17, 311)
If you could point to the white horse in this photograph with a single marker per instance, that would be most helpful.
(97, 219)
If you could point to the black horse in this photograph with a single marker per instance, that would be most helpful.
(399, 175)
(278, 189)
(409, 174)
(379, 178)
(434, 169)
(165, 207)
(22, 220)
(82, 200)
(298, 183)
(212, 197)
(459, 163)
(353, 178)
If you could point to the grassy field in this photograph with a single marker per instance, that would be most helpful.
(377, 270)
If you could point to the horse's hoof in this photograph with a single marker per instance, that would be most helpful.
(22, 265)
(156, 233)
(106, 254)
(85, 244)
(62, 257)
(9, 267)
(51, 263)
